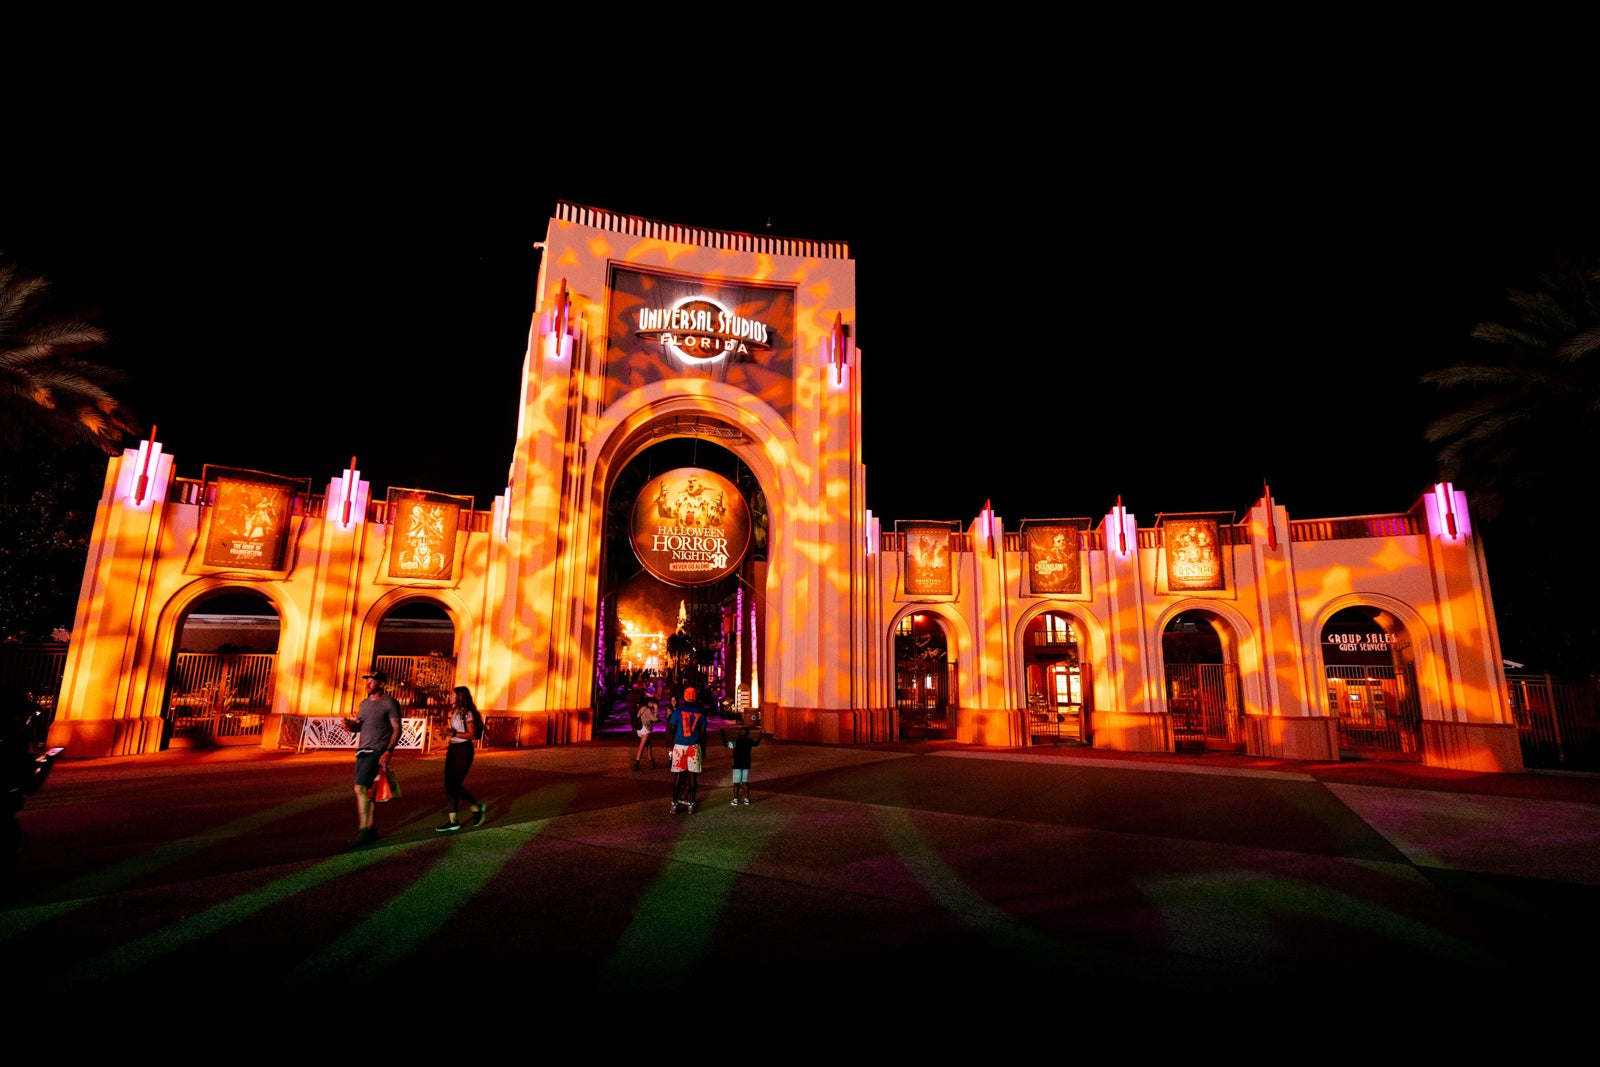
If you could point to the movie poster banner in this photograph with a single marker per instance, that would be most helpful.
(665, 326)
(1191, 553)
(423, 535)
(690, 527)
(928, 570)
(247, 527)
(1052, 547)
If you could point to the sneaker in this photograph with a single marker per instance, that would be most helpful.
(447, 828)
(746, 800)
(364, 837)
(734, 802)
(691, 807)
(480, 813)
(674, 809)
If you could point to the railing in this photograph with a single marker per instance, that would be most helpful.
(34, 673)
(321, 732)
(315, 506)
(1352, 528)
(1557, 722)
(418, 681)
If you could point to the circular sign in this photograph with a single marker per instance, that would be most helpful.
(690, 527)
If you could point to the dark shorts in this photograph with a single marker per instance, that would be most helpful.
(367, 766)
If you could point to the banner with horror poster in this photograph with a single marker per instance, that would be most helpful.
(1052, 549)
(247, 527)
(426, 535)
(1191, 554)
(927, 567)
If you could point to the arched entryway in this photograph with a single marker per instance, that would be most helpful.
(1057, 677)
(1372, 684)
(1202, 682)
(684, 568)
(223, 676)
(924, 676)
(416, 648)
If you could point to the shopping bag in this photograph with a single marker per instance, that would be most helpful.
(386, 787)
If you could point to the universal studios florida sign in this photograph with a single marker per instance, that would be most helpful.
(690, 526)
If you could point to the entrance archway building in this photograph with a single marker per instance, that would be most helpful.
(743, 345)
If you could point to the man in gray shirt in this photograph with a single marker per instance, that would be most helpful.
(377, 725)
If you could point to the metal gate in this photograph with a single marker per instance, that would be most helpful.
(219, 697)
(922, 696)
(1058, 713)
(1377, 711)
(1203, 702)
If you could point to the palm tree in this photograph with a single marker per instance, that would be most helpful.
(45, 388)
(679, 646)
(1525, 440)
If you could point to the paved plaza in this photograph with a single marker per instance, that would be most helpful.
(904, 877)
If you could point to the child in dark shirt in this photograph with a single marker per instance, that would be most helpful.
(741, 746)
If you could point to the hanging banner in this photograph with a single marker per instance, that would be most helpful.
(1052, 557)
(1192, 558)
(423, 534)
(247, 526)
(927, 558)
(690, 526)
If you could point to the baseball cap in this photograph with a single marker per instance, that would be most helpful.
(379, 675)
(688, 692)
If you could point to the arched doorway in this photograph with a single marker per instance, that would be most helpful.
(924, 676)
(656, 631)
(1057, 680)
(221, 684)
(1202, 682)
(1372, 685)
(416, 648)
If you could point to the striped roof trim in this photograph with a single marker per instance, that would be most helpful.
(690, 235)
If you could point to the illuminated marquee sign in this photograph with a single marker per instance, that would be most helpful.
(690, 527)
(699, 329)
(1361, 642)
(664, 327)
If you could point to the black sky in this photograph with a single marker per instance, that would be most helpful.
(1167, 269)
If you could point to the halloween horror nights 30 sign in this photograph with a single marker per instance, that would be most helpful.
(690, 527)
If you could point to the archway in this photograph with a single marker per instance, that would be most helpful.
(223, 674)
(924, 676)
(1202, 682)
(657, 629)
(1057, 677)
(415, 647)
(1370, 672)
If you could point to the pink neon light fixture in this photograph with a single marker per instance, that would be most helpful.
(1119, 516)
(148, 451)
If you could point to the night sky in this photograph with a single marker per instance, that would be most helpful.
(1168, 267)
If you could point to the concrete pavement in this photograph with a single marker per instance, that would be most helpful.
(889, 878)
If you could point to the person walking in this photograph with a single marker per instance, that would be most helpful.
(465, 725)
(647, 722)
(741, 745)
(377, 730)
(687, 725)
